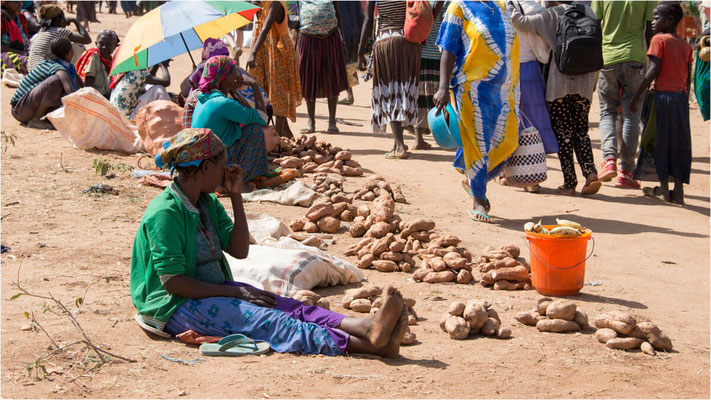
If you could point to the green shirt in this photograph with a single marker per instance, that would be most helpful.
(165, 245)
(224, 116)
(623, 24)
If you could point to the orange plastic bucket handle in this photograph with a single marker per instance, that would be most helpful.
(526, 239)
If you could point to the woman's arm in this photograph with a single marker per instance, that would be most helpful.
(439, 4)
(651, 74)
(365, 33)
(539, 23)
(191, 288)
(238, 247)
(441, 98)
(8, 49)
(164, 80)
(66, 82)
(276, 13)
(83, 36)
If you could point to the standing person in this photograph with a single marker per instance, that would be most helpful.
(625, 24)
(480, 65)
(128, 7)
(396, 71)
(272, 63)
(95, 64)
(53, 25)
(15, 38)
(352, 17)
(568, 98)
(701, 77)
(322, 59)
(670, 58)
(429, 76)
(86, 12)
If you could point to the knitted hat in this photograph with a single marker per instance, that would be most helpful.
(188, 148)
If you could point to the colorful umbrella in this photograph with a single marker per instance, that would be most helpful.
(177, 27)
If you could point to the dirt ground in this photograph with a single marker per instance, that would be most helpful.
(650, 258)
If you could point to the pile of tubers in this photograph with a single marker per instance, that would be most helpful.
(324, 216)
(620, 330)
(502, 270)
(330, 186)
(559, 316)
(462, 320)
(308, 155)
(310, 298)
(368, 300)
(377, 185)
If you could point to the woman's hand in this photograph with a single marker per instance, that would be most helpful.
(256, 296)
(233, 179)
(362, 63)
(250, 61)
(441, 99)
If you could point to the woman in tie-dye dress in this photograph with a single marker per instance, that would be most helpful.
(480, 66)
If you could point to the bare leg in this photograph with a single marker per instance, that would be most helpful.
(392, 347)
(311, 111)
(349, 95)
(420, 143)
(282, 126)
(400, 150)
(332, 104)
(379, 328)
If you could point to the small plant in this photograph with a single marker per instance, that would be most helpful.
(7, 139)
(103, 167)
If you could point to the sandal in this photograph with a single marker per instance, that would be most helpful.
(234, 345)
(566, 191)
(472, 214)
(655, 193)
(305, 131)
(533, 188)
(345, 102)
(591, 188)
(392, 155)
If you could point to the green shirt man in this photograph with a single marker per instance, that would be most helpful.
(623, 29)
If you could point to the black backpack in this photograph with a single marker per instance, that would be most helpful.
(578, 47)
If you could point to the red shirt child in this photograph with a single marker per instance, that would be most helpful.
(676, 56)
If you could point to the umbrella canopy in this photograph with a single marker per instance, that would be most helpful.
(177, 27)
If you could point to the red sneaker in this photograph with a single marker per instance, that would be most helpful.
(608, 170)
(625, 180)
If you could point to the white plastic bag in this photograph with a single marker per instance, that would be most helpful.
(89, 121)
(11, 78)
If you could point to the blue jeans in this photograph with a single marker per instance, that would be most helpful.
(616, 86)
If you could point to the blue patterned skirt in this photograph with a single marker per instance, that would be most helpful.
(249, 152)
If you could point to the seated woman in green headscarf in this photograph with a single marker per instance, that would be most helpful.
(240, 127)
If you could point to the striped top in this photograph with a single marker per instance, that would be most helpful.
(430, 51)
(40, 45)
(43, 71)
(391, 15)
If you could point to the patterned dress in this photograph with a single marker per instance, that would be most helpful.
(484, 86)
(276, 66)
(126, 93)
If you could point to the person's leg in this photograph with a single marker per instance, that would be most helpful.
(632, 77)
(349, 95)
(392, 347)
(582, 145)
(282, 127)
(420, 143)
(332, 104)
(311, 111)
(609, 98)
(677, 195)
(399, 151)
(560, 122)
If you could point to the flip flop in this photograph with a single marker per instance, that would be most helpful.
(391, 155)
(591, 188)
(332, 130)
(652, 192)
(474, 212)
(234, 345)
(469, 192)
(151, 329)
(345, 102)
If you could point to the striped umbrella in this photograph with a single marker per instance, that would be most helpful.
(177, 27)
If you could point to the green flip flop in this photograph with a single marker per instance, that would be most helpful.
(469, 192)
(474, 212)
(234, 345)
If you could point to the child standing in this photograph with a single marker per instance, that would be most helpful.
(670, 59)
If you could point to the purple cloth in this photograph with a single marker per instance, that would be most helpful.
(214, 47)
(319, 316)
(533, 105)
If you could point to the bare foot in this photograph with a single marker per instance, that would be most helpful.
(392, 348)
(566, 191)
(422, 145)
(385, 318)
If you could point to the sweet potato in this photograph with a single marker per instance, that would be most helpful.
(343, 155)
(475, 314)
(490, 327)
(383, 208)
(647, 348)
(351, 163)
(627, 343)
(464, 277)
(360, 293)
(360, 305)
(506, 285)
(515, 251)
(368, 196)
(323, 303)
(557, 325)
(338, 208)
(291, 162)
(518, 273)
(411, 320)
(456, 308)
(449, 240)
(297, 225)
(491, 313)
(438, 264)
(397, 246)
(346, 215)
(561, 309)
(311, 227)
(508, 262)
(504, 333)
(656, 338)
(352, 171)
(529, 318)
(405, 266)
(316, 212)
(443, 321)
(450, 258)
(385, 265)
(581, 319)
(307, 297)
(365, 242)
(439, 277)
(605, 334)
(421, 236)
(457, 327)
(379, 229)
(619, 321)
(366, 261)
(391, 255)
(381, 245)
(420, 274)
(417, 225)
(543, 305)
(397, 194)
(329, 224)
(465, 253)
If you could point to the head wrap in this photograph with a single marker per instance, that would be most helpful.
(214, 47)
(49, 11)
(216, 70)
(109, 33)
(188, 148)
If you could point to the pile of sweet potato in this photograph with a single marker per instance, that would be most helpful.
(368, 300)
(503, 270)
(442, 260)
(558, 316)
(330, 186)
(308, 155)
(324, 216)
(311, 299)
(462, 320)
(620, 330)
(375, 186)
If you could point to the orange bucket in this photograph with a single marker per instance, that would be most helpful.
(558, 262)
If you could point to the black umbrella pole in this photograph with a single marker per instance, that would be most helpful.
(190, 54)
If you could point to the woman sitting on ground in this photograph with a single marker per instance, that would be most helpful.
(132, 90)
(180, 279)
(211, 48)
(239, 126)
(43, 88)
(95, 65)
(15, 39)
(53, 25)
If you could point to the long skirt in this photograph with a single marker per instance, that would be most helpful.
(47, 94)
(533, 105)
(477, 185)
(86, 11)
(667, 137)
(322, 66)
(9, 60)
(396, 73)
(428, 86)
(249, 152)
(289, 327)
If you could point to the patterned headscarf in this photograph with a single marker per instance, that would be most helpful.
(188, 148)
(214, 47)
(216, 69)
(49, 11)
